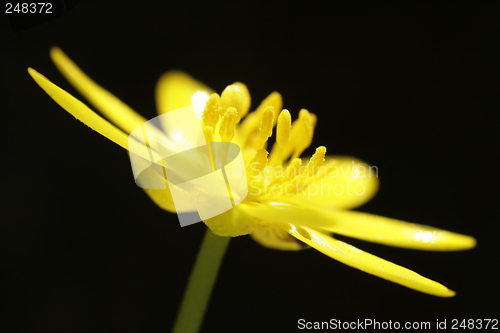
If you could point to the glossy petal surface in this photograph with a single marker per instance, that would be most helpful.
(80, 111)
(346, 183)
(363, 226)
(354, 257)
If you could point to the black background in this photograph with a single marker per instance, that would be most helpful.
(412, 89)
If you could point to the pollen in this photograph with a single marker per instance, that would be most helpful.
(275, 100)
(212, 110)
(228, 124)
(316, 161)
(257, 164)
(209, 133)
(293, 169)
(252, 122)
(266, 127)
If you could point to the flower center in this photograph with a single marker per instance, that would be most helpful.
(268, 174)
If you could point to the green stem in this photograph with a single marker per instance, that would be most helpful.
(200, 284)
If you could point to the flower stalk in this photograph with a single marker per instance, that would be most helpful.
(200, 284)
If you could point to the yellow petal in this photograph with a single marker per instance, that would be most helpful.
(275, 238)
(354, 257)
(162, 198)
(234, 222)
(398, 233)
(80, 111)
(363, 226)
(110, 106)
(342, 183)
(175, 89)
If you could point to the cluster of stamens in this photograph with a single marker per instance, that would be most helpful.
(282, 169)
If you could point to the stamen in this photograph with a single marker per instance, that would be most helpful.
(212, 111)
(252, 121)
(228, 124)
(236, 95)
(316, 161)
(301, 134)
(274, 99)
(293, 169)
(314, 118)
(208, 131)
(257, 164)
(290, 187)
(266, 127)
(283, 128)
(282, 137)
(209, 134)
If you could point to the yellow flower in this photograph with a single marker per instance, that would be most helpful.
(291, 201)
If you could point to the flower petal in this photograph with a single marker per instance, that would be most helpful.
(233, 222)
(83, 113)
(354, 257)
(175, 89)
(363, 226)
(162, 198)
(398, 233)
(346, 183)
(273, 237)
(80, 111)
(109, 105)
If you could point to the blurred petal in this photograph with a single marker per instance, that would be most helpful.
(175, 89)
(347, 183)
(110, 106)
(354, 257)
(363, 226)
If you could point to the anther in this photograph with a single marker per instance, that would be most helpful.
(266, 127)
(316, 161)
(212, 111)
(283, 128)
(228, 124)
(257, 164)
(293, 169)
